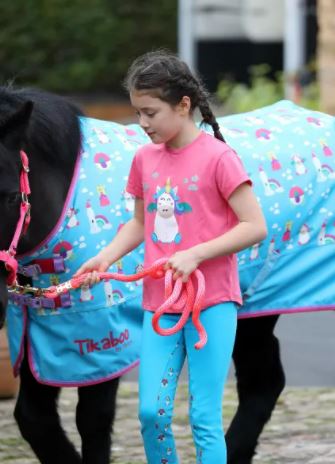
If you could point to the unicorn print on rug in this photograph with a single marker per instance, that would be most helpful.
(72, 215)
(254, 252)
(324, 238)
(299, 166)
(166, 205)
(108, 289)
(85, 293)
(271, 186)
(324, 171)
(304, 235)
(129, 201)
(97, 222)
(101, 135)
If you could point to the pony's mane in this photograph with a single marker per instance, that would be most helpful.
(54, 128)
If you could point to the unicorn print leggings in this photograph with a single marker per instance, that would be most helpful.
(162, 358)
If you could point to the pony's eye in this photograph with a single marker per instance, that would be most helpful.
(13, 198)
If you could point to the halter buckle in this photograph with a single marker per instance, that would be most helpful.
(24, 198)
(25, 290)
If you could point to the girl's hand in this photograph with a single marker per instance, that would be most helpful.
(98, 263)
(183, 263)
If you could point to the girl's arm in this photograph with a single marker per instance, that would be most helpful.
(129, 237)
(250, 229)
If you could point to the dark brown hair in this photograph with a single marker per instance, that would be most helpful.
(167, 77)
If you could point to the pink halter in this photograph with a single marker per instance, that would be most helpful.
(8, 257)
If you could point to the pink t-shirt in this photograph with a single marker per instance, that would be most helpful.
(185, 193)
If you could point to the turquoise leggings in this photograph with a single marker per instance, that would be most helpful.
(162, 358)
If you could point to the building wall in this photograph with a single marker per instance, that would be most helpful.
(326, 54)
(232, 35)
(254, 20)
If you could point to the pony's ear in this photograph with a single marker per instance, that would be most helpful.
(13, 130)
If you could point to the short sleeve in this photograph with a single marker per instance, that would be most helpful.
(134, 184)
(230, 173)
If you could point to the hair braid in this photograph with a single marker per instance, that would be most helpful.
(207, 114)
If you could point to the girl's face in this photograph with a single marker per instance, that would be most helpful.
(160, 120)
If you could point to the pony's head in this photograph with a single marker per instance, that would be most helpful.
(14, 121)
(46, 127)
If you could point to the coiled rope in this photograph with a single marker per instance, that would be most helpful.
(180, 297)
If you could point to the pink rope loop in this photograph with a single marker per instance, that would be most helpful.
(197, 309)
(168, 304)
(180, 297)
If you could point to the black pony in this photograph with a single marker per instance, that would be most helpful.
(47, 128)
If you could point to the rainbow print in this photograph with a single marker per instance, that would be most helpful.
(329, 238)
(63, 249)
(327, 170)
(263, 134)
(102, 161)
(117, 297)
(102, 222)
(275, 185)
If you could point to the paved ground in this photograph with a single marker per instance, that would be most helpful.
(302, 429)
(306, 342)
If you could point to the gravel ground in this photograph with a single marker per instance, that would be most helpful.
(302, 429)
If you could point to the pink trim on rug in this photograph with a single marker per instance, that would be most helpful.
(61, 218)
(306, 309)
(75, 383)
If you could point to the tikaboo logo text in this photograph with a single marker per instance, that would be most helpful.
(88, 345)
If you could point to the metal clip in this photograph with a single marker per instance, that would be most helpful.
(25, 290)
(24, 198)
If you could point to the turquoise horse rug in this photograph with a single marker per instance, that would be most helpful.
(93, 334)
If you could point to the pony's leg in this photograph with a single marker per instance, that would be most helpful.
(95, 417)
(38, 421)
(260, 380)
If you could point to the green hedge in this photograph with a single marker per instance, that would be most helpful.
(80, 45)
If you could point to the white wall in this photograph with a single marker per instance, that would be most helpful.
(218, 19)
(263, 20)
(256, 20)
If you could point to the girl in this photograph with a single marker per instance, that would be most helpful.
(195, 205)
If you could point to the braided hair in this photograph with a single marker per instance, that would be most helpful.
(170, 79)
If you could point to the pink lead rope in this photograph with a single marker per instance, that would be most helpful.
(180, 297)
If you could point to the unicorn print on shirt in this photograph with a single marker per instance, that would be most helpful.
(167, 206)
